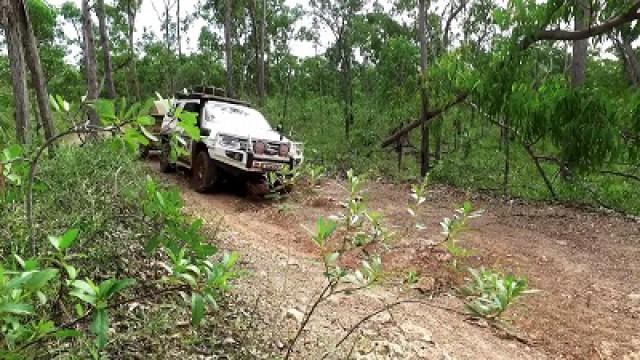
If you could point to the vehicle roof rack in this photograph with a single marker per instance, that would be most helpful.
(209, 93)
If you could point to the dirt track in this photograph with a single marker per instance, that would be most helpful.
(587, 266)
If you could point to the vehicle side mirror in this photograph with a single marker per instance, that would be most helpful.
(205, 132)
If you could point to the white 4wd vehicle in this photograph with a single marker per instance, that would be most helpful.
(237, 143)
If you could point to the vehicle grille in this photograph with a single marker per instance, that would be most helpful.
(271, 148)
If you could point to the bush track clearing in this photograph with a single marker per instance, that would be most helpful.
(586, 265)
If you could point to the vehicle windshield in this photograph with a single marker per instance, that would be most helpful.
(236, 115)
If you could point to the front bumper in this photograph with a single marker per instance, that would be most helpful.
(269, 163)
(241, 161)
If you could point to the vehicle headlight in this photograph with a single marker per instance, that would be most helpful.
(283, 150)
(229, 142)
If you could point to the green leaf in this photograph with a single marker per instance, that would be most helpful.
(71, 271)
(17, 281)
(54, 103)
(188, 121)
(229, 259)
(145, 120)
(16, 309)
(88, 298)
(110, 287)
(41, 297)
(66, 240)
(100, 327)
(330, 259)
(148, 134)
(105, 109)
(39, 278)
(80, 311)
(66, 333)
(27, 265)
(153, 243)
(189, 279)
(197, 309)
(11, 153)
(324, 230)
(85, 291)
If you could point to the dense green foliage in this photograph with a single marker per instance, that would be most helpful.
(112, 239)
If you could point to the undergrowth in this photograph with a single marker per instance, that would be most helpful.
(112, 244)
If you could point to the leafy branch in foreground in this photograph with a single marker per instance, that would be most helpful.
(357, 228)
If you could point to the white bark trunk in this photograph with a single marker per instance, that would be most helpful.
(90, 59)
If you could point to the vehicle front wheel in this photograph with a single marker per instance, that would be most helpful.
(205, 174)
(166, 165)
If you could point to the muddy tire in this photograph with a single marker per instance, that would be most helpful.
(166, 166)
(204, 173)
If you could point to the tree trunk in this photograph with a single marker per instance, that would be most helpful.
(580, 47)
(37, 74)
(438, 149)
(286, 94)
(629, 58)
(18, 71)
(106, 53)
(228, 47)
(260, 60)
(347, 81)
(167, 35)
(179, 34)
(90, 60)
(424, 101)
(507, 156)
(131, 19)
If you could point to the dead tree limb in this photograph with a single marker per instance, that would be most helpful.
(430, 116)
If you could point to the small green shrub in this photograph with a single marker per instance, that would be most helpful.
(412, 277)
(491, 293)
(453, 227)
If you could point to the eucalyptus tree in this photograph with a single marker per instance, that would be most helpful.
(623, 43)
(228, 45)
(131, 9)
(260, 72)
(24, 54)
(424, 97)
(71, 13)
(9, 19)
(106, 53)
(582, 21)
(338, 17)
(165, 15)
(45, 18)
(90, 62)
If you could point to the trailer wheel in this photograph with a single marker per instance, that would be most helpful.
(166, 166)
(204, 173)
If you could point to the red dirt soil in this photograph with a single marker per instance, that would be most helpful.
(586, 264)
